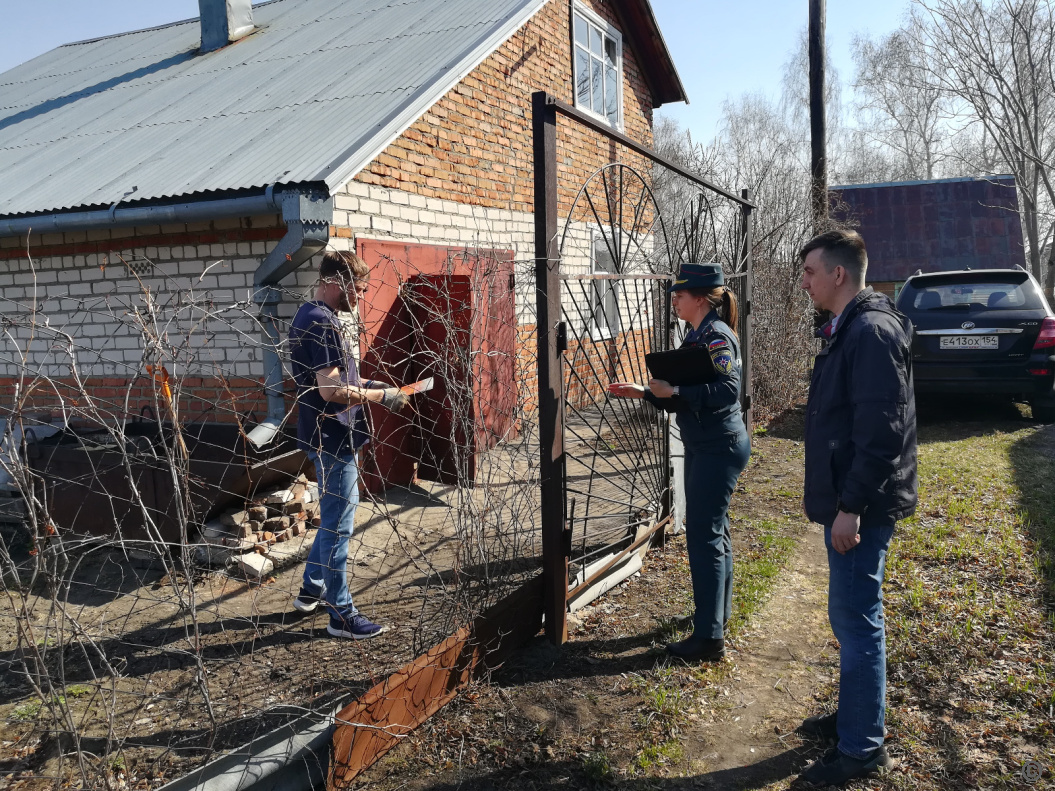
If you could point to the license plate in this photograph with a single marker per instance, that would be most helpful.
(969, 342)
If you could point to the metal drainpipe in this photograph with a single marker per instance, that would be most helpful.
(307, 216)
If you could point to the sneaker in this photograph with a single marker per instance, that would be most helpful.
(835, 768)
(356, 626)
(821, 726)
(307, 601)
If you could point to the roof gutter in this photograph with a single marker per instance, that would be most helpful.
(115, 217)
(293, 757)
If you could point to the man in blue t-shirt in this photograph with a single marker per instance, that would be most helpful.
(331, 427)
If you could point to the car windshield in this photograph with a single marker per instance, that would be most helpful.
(995, 295)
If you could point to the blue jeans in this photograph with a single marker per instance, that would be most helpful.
(326, 572)
(855, 610)
(711, 471)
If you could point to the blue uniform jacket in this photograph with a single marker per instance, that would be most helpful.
(710, 411)
(861, 416)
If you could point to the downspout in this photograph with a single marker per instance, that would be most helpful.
(307, 216)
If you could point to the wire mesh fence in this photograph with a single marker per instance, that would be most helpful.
(153, 553)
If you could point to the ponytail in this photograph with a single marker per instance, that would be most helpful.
(730, 312)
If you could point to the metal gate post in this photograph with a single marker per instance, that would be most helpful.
(666, 506)
(555, 539)
(748, 320)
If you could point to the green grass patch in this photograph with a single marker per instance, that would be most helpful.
(755, 572)
(26, 711)
(971, 644)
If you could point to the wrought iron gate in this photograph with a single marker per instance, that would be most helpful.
(604, 261)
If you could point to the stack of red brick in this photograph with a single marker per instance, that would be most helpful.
(266, 520)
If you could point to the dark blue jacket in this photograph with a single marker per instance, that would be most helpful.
(707, 412)
(861, 416)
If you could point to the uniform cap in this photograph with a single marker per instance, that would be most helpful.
(698, 276)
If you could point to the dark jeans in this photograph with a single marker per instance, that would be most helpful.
(326, 571)
(855, 610)
(711, 470)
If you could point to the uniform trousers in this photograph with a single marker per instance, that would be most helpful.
(712, 468)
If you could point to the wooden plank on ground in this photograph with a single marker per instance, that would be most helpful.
(369, 727)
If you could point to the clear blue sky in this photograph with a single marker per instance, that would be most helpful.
(722, 48)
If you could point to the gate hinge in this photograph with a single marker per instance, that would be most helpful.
(562, 337)
(566, 542)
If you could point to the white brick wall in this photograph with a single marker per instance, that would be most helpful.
(93, 296)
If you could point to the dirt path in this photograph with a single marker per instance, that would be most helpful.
(781, 665)
(611, 709)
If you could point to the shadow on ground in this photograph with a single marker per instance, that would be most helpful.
(562, 774)
(1033, 467)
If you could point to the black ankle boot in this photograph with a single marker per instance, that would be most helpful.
(698, 649)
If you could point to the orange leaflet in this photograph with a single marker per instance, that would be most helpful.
(417, 387)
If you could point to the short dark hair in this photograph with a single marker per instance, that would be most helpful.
(343, 265)
(840, 247)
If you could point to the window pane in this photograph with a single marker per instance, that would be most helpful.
(602, 256)
(611, 96)
(582, 77)
(582, 31)
(595, 41)
(611, 52)
(597, 82)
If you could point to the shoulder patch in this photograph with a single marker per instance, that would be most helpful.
(718, 343)
(723, 360)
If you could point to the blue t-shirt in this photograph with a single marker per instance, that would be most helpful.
(316, 344)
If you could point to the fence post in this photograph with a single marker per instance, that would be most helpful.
(666, 506)
(550, 374)
(747, 322)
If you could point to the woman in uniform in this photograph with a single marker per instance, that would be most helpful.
(716, 450)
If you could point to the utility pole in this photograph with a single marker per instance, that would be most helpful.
(818, 117)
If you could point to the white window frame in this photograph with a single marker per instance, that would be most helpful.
(605, 28)
(598, 290)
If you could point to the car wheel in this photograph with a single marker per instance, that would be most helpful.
(1045, 413)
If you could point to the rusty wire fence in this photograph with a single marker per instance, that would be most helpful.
(150, 552)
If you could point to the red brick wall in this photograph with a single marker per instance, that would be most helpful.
(474, 145)
(200, 399)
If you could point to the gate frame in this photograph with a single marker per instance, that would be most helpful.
(552, 341)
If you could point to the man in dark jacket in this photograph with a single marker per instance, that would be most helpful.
(860, 480)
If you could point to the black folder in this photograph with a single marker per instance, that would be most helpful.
(689, 365)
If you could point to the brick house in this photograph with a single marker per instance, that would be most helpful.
(210, 159)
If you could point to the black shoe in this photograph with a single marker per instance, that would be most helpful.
(824, 727)
(698, 649)
(835, 768)
(821, 727)
(685, 621)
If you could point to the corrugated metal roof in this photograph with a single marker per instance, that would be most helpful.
(937, 225)
(312, 96)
